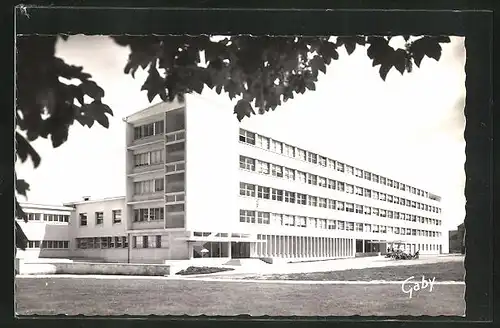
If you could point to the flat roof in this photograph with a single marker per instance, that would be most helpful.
(97, 200)
(45, 206)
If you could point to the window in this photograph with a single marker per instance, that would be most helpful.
(349, 189)
(262, 142)
(349, 226)
(277, 195)
(247, 189)
(312, 201)
(367, 210)
(340, 186)
(289, 197)
(157, 156)
(375, 195)
(170, 168)
(247, 216)
(389, 183)
(277, 170)
(322, 161)
(331, 184)
(83, 219)
(359, 209)
(141, 159)
(288, 220)
(158, 241)
(276, 219)
(340, 166)
(145, 243)
(247, 163)
(301, 199)
(375, 178)
(321, 202)
(382, 196)
(99, 218)
(340, 206)
(358, 173)
(263, 217)
(413, 204)
(276, 146)
(141, 215)
(262, 167)
(301, 154)
(247, 137)
(263, 192)
(340, 225)
(390, 214)
(359, 226)
(300, 221)
(349, 170)
(383, 213)
(322, 182)
(389, 198)
(368, 193)
(301, 176)
(174, 198)
(159, 184)
(382, 180)
(289, 150)
(367, 175)
(331, 204)
(289, 174)
(332, 224)
(349, 207)
(331, 164)
(312, 158)
(358, 191)
(156, 214)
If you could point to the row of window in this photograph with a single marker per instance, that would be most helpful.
(251, 190)
(149, 186)
(149, 158)
(147, 130)
(255, 165)
(116, 217)
(49, 244)
(147, 242)
(149, 214)
(102, 242)
(47, 217)
(258, 217)
(298, 153)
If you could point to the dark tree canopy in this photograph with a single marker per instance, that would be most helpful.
(261, 72)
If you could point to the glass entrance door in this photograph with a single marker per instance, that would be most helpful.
(240, 250)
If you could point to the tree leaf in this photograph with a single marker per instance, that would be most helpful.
(243, 108)
(91, 89)
(25, 150)
(399, 60)
(22, 187)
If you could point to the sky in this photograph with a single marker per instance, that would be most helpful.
(409, 127)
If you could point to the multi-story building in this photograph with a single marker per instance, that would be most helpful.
(205, 186)
(47, 231)
(200, 184)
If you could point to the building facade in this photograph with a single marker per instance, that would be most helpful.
(210, 187)
(47, 231)
(201, 185)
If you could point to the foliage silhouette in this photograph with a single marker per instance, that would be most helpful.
(261, 72)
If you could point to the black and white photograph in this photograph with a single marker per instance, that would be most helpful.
(223, 175)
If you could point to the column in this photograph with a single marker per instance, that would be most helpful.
(299, 244)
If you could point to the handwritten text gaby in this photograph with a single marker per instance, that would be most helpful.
(408, 286)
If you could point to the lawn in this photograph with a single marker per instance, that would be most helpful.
(88, 296)
(442, 271)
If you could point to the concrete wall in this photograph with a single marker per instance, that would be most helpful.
(94, 268)
(108, 228)
(212, 185)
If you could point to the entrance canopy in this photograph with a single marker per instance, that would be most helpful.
(221, 237)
